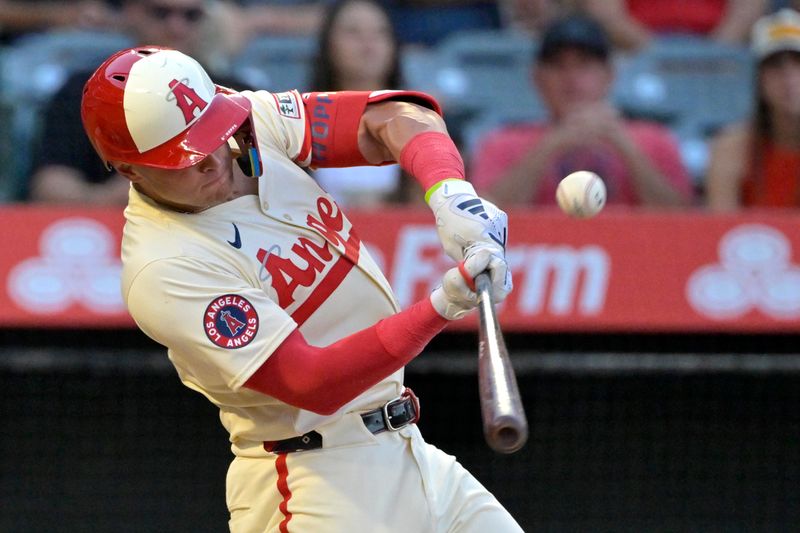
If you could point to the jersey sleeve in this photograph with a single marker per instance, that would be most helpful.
(332, 121)
(219, 330)
(280, 122)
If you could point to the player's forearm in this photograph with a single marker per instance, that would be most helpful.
(386, 127)
(408, 121)
(322, 380)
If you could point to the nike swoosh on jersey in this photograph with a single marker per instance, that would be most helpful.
(237, 240)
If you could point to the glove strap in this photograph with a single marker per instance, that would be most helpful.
(469, 280)
(445, 189)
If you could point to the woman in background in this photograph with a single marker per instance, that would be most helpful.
(757, 164)
(358, 51)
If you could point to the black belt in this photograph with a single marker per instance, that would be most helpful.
(394, 415)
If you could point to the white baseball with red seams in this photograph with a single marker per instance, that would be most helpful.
(581, 194)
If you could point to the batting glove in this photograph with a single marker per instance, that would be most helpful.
(456, 296)
(463, 218)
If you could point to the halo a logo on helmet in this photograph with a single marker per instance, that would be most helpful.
(230, 321)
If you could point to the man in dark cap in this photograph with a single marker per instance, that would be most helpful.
(639, 161)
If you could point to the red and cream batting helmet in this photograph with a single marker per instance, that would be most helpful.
(157, 107)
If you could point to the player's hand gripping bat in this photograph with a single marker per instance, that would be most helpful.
(504, 424)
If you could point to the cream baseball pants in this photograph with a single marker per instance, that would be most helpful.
(393, 482)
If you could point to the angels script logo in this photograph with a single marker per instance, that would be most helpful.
(754, 272)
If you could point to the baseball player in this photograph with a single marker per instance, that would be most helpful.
(270, 305)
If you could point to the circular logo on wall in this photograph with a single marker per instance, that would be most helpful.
(77, 265)
(230, 321)
(754, 272)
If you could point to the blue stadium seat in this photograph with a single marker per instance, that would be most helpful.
(47, 59)
(695, 86)
(276, 63)
(474, 72)
(688, 82)
(32, 70)
(9, 182)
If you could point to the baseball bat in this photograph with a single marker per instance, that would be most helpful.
(505, 427)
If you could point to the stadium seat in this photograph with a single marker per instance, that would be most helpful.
(474, 72)
(276, 63)
(9, 173)
(32, 70)
(47, 59)
(687, 82)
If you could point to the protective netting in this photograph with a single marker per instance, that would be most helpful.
(113, 442)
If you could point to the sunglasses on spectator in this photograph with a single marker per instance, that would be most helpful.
(189, 14)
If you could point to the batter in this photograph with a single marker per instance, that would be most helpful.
(269, 304)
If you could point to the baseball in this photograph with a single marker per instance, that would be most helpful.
(581, 194)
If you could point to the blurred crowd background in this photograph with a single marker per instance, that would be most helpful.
(688, 104)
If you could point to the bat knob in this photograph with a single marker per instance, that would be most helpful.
(508, 435)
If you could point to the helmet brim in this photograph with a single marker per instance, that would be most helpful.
(225, 114)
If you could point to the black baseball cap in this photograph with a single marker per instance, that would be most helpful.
(574, 31)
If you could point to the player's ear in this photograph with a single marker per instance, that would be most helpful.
(128, 171)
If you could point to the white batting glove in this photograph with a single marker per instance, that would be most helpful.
(456, 296)
(463, 218)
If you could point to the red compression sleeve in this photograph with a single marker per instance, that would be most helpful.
(324, 379)
(432, 157)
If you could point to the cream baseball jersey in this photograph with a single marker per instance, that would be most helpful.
(222, 288)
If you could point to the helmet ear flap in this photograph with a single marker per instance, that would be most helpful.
(249, 159)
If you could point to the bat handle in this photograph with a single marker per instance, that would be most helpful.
(505, 426)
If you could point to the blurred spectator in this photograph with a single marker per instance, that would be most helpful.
(533, 16)
(426, 22)
(17, 17)
(358, 51)
(639, 161)
(236, 22)
(757, 164)
(65, 166)
(633, 23)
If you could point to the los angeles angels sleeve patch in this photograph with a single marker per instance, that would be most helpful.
(230, 321)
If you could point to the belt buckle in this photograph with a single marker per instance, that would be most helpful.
(408, 394)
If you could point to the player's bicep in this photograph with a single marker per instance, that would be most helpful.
(218, 328)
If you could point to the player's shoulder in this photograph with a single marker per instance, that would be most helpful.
(150, 235)
(285, 104)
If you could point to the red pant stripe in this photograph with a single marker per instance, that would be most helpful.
(283, 488)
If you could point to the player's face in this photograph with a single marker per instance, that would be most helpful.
(361, 47)
(780, 83)
(212, 181)
(571, 78)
